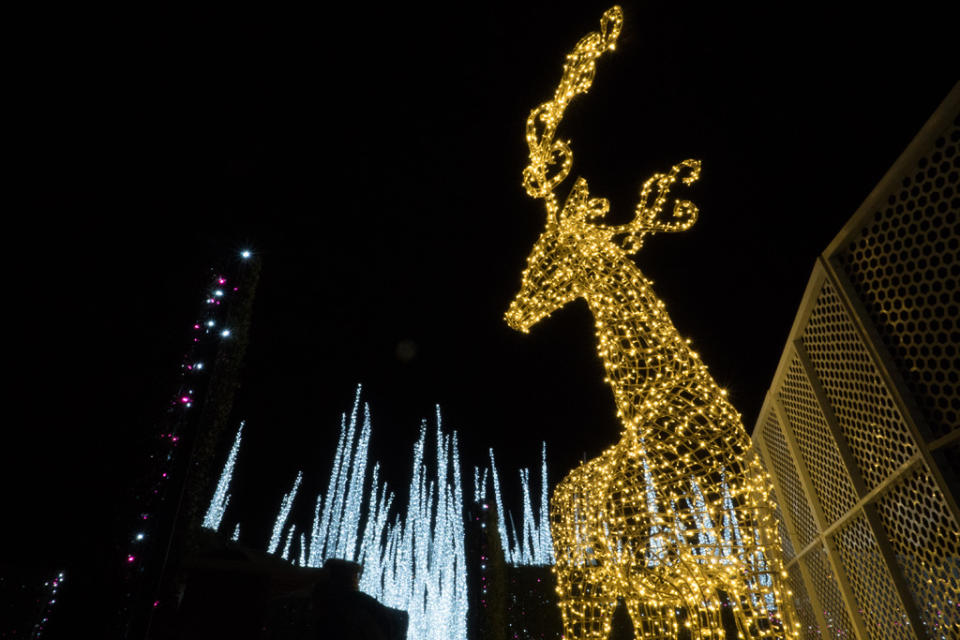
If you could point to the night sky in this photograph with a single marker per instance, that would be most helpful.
(371, 157)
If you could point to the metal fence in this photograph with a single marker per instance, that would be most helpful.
(861, 427)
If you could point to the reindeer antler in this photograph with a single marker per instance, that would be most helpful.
(547, 154)
(578, 71)
(647, 216)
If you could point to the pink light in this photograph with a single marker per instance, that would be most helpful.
(221, 280)
(190, 367)
(130, 558)
(164, 474)
(185, 399)
(156, 603)
(196, 326)
(236, 288)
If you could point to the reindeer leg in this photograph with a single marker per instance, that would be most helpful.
(653, 622)
(587, 618)
(586, 605)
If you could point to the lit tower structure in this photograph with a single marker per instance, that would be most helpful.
(861, 426)
(168, 500)
(676, 518)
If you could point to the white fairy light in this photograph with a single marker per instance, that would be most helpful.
(236, 533)
(546, 540)
(416, 560)
(221, 497)
(350, 522)
(285, 554)
(333, 511)
(285, 505)
(501, 515)
(533, 545)
(529, 541)
(315, 557)
(477, 496)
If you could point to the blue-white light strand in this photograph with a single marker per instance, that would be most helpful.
(285, 505)
(416, 560)
(285, 554)
(533, 544)
(221, 497)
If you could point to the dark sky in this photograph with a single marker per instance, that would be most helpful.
(372, 157)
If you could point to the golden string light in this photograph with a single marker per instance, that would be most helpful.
(676, 518)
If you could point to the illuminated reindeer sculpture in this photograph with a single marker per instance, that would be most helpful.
(675, 518)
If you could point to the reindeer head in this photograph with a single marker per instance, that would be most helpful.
(575, 234)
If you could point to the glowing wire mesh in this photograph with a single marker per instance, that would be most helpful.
(640, 521)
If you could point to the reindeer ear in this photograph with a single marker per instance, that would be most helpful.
(577, 201)
(581, 207)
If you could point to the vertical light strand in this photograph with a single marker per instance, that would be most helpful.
(546, 540)
(501, 514)
(285, 505)
(346, 545)
(221, 496)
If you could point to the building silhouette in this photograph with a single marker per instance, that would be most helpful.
(860, 429)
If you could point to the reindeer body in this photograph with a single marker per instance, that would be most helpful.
(673, 519)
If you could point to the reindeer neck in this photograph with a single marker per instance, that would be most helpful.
(646, 360)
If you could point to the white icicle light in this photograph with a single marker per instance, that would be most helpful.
(221, 497)
(286, 545)
(532, 545)
(285, 507)
(415, 561)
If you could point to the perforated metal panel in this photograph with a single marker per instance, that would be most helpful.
(926, 539)
(861, 429)
(817, 446)
(874, 429)
(904, 266)
(809, 627)
(871, 582)
(785, 542)
(782, 465)
(828, 592)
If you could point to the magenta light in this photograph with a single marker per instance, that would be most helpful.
(130, 558)
(221, 280)
(196, 326)
(185, 399)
